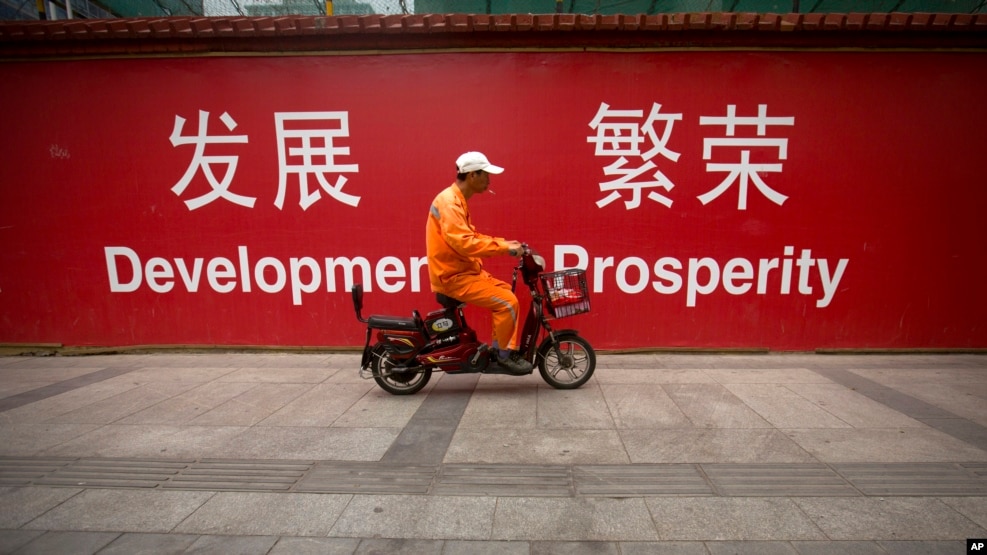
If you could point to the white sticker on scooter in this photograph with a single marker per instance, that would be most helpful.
(442, 324)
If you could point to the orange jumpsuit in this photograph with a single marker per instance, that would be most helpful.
(454, 249)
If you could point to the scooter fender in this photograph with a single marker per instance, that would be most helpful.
(365, 360)
(558, 334)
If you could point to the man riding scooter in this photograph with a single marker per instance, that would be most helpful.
(455, 249)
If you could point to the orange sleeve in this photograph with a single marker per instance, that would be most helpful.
(462, 237)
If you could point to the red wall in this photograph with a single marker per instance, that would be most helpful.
(878, 242)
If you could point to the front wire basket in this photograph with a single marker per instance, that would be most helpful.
(566, 293)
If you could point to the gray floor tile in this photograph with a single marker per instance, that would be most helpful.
(784, 408)
(663, 548)
(149, 544)
(466, 547)
(974, 508)
(148, 441)
(399, 547)
(751, 548)
(11, 388)
(901, 518)
(924, 548)
(315, 546)
(271, 514)
(713, 406)
(514, 408)
(643, 406)
(842, 548)
(232, 545)
(75, 399)
(885, 445)
(731, 519)
(121, 510)
(536, 447)
(25, 439)
(253, 405)
(283, 375)
(379, 409)
(764, 375)
(291, 443)
(124, 404)
(22, 505)
(853, 408)
(712, 446)
(11, 540)
(583, 409)
(76, 543)
(572, 519)
(416, 517)
(574, 548)
(649, 375)
(191, 404)
(320, 406)
(178, 374)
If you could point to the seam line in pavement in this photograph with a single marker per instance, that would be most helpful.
(504, 480)
(956, 426)
(34, 395)
(427, 435)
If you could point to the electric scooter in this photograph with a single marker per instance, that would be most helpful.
(401, 352)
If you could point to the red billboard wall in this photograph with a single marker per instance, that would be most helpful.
(782, 200)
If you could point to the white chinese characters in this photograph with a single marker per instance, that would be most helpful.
(623, 134)
(307, 147)
(220, 187)
(315, 145)
(744, 170)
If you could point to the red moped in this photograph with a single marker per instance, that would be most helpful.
(406, 350)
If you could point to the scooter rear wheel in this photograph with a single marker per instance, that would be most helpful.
(397, 383)
(569, 367)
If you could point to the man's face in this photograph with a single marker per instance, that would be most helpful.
(478, 181)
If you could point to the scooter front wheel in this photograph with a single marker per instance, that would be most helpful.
(397, 383)
(568, 367)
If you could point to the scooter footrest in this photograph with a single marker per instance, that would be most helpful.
(392, 323)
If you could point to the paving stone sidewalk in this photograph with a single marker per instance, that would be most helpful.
(266, 452)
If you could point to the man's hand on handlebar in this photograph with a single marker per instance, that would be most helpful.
(515, 249)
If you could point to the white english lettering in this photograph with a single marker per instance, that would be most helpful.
(111, 269)
(738, 270)
(191, 281)
(692, 283)
(390, 267)
(260, 276)
(297, 285)
(348, 267)
(642, 272)
(668, 282)
(562, 251)
(830, 283)
(244, 267)
(159, 269)
(221, 275)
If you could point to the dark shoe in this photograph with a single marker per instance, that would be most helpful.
(515, 364)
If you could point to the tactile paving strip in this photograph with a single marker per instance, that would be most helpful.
(640, 480)
(503, 480)
(927, 479)
(786, 480)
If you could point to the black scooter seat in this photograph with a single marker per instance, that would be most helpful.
(448, 303)
(392, 323)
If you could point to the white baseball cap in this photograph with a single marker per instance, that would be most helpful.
(476, 161)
